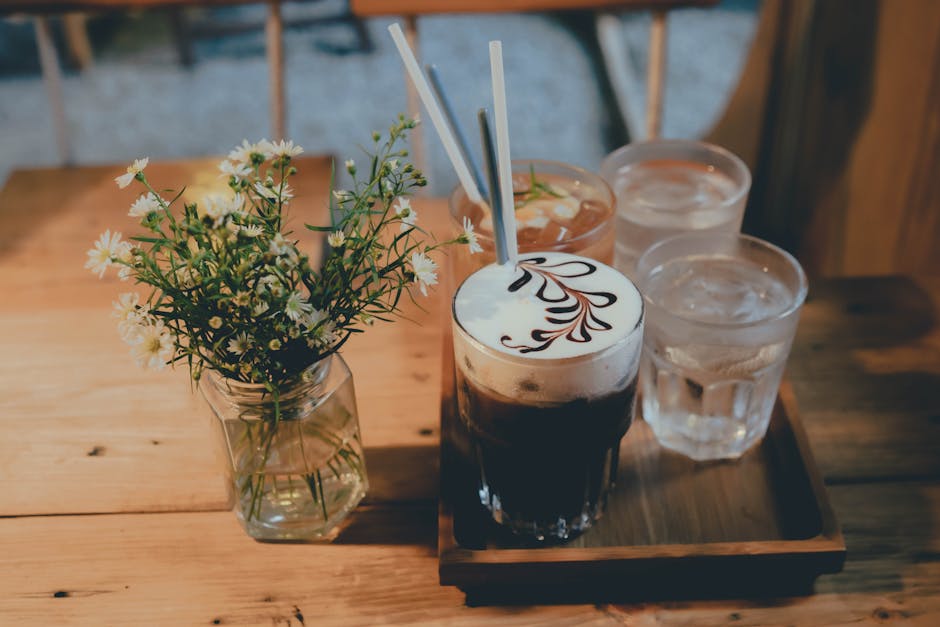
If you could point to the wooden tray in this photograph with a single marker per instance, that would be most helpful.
(674, 528)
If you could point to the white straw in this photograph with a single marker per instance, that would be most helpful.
(437, 118)
(502, 150)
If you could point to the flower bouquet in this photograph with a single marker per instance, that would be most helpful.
(228, 292)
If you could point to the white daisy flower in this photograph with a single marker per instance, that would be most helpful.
(393, 165)
(125, 273)
(132, 171)
(266, 148)
(239, 344)
(108, 248)
(295, 307)
(286, 149)
(241, 299)
(126, 305)
(219, 207)
(408, 216)
(146, 204)
(350, 166)
(313, 318)
(336, 239)
(279, 245)
(272, 193)
(259, 309)
(327, 333)
(271, 283)
(469, 237)
(186, 277)
(425, 271)
(130, 313)
(341, 195)
(251, 230)
(242, 154)
(234, 168)
(152, 345)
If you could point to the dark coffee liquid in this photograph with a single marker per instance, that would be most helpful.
(545, 469)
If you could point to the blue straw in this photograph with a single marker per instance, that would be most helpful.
(459, 135)
(496, 202)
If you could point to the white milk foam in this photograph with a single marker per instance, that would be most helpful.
(551, 306)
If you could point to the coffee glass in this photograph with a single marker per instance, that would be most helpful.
(546, 356)
(722, 310)
(665, 187)
(578, 218)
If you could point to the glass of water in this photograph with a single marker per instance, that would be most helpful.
(667, 187)
(722, 310)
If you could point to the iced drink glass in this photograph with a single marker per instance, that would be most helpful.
(668, 187)
(722, 310)
(546, 356)
(570, 210)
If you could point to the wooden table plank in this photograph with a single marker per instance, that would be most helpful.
(195, 568)
(866, 371)
(201, 568)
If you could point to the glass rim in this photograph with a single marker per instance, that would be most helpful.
(741, 189)
(602, 184)
(799, 297)
(551, 361)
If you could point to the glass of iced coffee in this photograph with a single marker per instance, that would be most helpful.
(546, 355)
(558, 207)
(665, 187)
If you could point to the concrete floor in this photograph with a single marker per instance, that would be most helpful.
(138, 101)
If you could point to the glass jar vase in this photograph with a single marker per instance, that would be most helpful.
(293, 458)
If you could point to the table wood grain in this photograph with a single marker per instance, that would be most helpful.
(112, 509)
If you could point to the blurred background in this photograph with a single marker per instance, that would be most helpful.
(833, 104)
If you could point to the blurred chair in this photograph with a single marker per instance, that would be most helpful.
(80, 48)
(609, 33)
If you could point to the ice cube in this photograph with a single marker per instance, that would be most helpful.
(725, 361)
(565, 208)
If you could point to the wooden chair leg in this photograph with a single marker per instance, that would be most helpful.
(179, 26)
(52, 76)
(619, 70)
(76, 38)
(414, 101)
(274, 33)
(655, 81)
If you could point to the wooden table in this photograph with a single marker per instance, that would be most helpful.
(112, 510)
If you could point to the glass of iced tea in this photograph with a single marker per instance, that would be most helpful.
(559, 208)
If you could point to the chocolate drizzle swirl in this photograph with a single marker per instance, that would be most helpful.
(569, 308)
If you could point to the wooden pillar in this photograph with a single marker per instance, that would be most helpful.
(274, 33)
(52, 76)
(655, 81)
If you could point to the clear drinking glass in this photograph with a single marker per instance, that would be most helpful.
(545, 432)
(722, 310)
(580, 222)
(667, 187)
